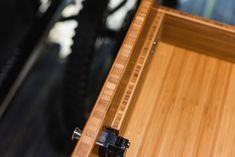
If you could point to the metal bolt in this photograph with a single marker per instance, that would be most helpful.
(128, 144)
(77, 133)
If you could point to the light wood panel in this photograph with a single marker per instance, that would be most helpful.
(180, 29)
(203, 36)
(99, 113)
(150, 43)
(185, 107)
(167, 92)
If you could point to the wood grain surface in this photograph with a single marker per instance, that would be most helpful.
(186, 107)
(205, 36)
(99, 113)
(170, 90)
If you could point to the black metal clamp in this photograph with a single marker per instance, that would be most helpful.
(110, 144)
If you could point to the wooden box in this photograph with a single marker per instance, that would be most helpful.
(171, 89)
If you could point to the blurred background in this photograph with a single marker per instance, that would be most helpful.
(54, 58)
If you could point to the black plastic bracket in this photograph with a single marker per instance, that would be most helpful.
(112, 145)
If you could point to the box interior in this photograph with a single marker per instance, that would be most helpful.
(185, 103)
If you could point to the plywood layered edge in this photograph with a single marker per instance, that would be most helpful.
(98, 116)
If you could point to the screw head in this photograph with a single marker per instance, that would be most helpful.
(128, 144)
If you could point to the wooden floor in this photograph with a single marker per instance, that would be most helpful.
(186, 107)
